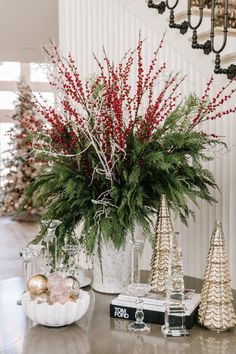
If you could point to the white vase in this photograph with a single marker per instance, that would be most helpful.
(114, 277)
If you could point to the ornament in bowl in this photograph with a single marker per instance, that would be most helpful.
(54, 301)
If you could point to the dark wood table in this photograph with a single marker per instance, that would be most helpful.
(96, 332)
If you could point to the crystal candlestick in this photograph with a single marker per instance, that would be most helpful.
(27, 258)
(36, 251)
(175, 314)
(26, 255)
(136, 251)
(139, 290)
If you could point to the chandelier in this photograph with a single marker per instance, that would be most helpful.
(222, 14)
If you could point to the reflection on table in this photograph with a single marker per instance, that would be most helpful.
(96, 332)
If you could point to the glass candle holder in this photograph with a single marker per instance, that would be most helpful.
(175, 313)
(139, 290)
(27, 258)
(36, 251)
(136, 252)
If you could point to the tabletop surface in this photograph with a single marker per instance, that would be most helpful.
(96, 332)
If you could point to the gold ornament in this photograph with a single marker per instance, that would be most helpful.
(216, 310)
(161, 252)
(37, 284)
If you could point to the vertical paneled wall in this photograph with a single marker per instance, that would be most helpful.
(88, 25)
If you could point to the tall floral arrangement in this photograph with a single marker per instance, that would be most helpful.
(114, 145)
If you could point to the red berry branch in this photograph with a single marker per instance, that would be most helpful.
(102, 113)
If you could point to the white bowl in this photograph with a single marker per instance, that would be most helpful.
(56, 315)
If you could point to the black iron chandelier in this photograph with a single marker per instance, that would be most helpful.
(220, 16)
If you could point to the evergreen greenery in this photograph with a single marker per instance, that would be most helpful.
(114, 144)
(171, 162)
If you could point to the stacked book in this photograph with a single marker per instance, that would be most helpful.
(124, 306)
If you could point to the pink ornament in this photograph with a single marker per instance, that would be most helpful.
(59, 294)
(54, 280)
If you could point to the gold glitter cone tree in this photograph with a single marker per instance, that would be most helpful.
(216, 310)
(161, 251)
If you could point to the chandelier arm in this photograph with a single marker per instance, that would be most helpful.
(183, 27)
(173, 6)
(189, 13)
(231, 70)
(161, 7)
(206, 47)
(225, 30)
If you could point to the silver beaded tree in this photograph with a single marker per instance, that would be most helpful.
(216, 310)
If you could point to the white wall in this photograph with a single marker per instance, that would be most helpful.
(84, 27)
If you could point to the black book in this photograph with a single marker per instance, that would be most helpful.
(153, 313)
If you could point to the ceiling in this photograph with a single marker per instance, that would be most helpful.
(25, 26)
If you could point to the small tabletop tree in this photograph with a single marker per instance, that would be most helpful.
(160, 257)
(216, 310)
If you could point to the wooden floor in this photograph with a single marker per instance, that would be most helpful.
(13, 236)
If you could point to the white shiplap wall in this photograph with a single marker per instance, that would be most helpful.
(86, 26)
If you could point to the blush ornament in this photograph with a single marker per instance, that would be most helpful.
(59, 294)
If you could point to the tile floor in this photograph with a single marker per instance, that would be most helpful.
(13, 236)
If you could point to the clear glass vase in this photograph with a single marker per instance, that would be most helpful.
(175, 313)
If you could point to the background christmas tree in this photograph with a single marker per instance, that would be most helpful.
(18, 170)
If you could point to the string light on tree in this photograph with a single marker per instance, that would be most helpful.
(18, 170)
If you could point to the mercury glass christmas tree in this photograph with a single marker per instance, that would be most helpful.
(216, 310)
(160, 257)
(18, 170)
